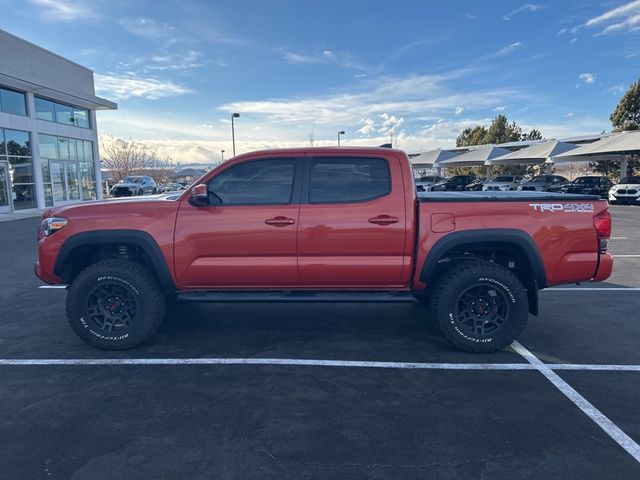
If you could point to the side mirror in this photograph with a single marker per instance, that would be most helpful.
(199, 196)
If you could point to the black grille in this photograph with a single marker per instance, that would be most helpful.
(529, 189)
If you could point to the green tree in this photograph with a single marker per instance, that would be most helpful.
(500, 131)
(626, 116)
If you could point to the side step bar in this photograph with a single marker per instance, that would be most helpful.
(296, 296)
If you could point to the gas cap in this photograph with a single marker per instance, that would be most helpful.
(443, 222)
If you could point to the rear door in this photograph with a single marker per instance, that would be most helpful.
(352, 223)
(247, 236)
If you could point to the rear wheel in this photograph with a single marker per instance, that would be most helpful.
(115, 304)
(480, 306)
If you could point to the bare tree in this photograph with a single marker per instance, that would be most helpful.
(130, 157)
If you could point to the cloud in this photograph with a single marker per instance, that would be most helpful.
(623, 18)
(528, 7)
(299, 58)
(64, 10)
(412, 95)
(500, 108)
(587, 78)
(130, 85)
(615, 90)
(146, 27)
(459, 110)
(569, 115)
(573, 40)
(175, 61)
(504, 51)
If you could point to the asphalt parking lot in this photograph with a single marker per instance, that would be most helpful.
(564, 404)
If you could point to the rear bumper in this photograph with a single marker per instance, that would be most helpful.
(605, 267)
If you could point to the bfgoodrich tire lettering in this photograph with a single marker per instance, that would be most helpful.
(115, 304)
(480, 306)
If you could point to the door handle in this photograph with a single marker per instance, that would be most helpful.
(384, 220)
(280, 221)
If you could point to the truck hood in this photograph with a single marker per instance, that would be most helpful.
(126, 204)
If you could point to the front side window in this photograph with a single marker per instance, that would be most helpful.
(343, 180)
(259, 182)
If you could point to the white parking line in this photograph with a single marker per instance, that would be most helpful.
(52, 286)
(311, 363)
(617, 238)
(610, 428)
(264, 361)
(626, 256)
(597, 289)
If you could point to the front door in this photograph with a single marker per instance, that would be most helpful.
(352, 229)
(64, 179)
(5, 191)
(246, 237)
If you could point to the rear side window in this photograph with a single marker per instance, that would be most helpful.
(259, 182)
(346, 180)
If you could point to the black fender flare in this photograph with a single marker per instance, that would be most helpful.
(134, 237)
(513, 236)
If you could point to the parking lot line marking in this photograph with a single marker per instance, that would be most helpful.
(591, 289)
(52, 286)
(610, 428)
(617, 238)
(311, 363)
(626, 256)
(265, 361)
(594, 367)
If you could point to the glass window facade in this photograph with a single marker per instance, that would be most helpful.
(12, 102)
(68, 171)
(61, 113)
(15, 150)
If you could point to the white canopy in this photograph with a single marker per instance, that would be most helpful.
(537, 153)
(475, 158)
(427, 159)
(616, 145)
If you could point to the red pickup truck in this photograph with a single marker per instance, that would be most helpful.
(321, 225)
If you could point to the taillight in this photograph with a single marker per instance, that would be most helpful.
(602, 224)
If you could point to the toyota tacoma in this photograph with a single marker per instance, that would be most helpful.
(321, 225)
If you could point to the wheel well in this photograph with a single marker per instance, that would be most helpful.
(86, 248)
(509, 255)
(84, 255)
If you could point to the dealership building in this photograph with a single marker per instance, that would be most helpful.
(48, 133)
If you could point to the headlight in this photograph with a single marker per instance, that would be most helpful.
(51, 225)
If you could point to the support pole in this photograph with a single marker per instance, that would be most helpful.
(624, 167)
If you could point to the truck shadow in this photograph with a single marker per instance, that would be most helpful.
(382, 332)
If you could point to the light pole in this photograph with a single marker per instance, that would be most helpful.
(341, 132)
(233, 131)
(222, 155)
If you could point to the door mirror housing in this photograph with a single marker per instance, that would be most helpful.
(199, 195)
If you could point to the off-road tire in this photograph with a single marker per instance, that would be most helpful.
(135, 283)
(505, 298)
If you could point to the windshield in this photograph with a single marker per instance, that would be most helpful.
(503, 179)
(631, 180)
(542, 179)
(586, 180)
(132, 180)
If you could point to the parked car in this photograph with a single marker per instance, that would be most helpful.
(587, 185)
(476, 186)
(453, 184)
(541, 183)
(423, 184)
(318, 225)
(627, 190)
(503, 183)
(134, 185)
(170, 187)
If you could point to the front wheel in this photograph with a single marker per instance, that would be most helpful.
(115, 304)
(480, 306)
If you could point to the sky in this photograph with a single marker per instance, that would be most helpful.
(417, 72)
